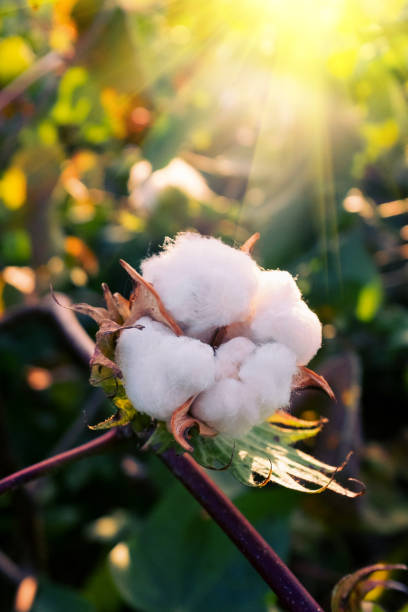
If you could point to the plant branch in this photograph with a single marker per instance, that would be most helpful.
(65, 323)
(9, 569)
(291, 593)
(43, 467)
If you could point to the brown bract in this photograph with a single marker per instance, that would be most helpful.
(306, 378)
(182, 421)
(121, 313)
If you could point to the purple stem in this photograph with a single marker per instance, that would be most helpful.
(42, 467)
(291, 593)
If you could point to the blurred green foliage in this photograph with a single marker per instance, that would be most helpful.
(125, 121)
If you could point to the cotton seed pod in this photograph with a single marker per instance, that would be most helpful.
(160, 370)
(280, 314)
(203, 283)
(262, 386)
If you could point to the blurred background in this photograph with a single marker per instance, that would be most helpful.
(124, 121)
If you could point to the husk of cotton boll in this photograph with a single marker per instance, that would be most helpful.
(161, 370)
(263, 383)
(203, 283)
(280, 314)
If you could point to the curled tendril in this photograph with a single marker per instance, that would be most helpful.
(332, 478)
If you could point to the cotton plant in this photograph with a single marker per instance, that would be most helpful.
(204, 356)
(145, 186)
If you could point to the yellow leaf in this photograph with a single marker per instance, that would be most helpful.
(369, 300)
(380, 137)
(15, 57)
(131, 222)
(341, 64)
(13, 188)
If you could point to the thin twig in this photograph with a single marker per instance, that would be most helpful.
(46, 64)
(9, 569)
(43, 467)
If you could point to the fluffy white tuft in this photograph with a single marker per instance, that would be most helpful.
(229, 406)
(268, 372)
(233, 406)
(203, 282)
(279, 313)
(229, 357)
(160, 370)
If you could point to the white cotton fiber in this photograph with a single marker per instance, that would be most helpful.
(279, 313)
(233, 406)
(229, 357)
(275, 287)
(269, 372)
(229, 406)
(295, 325)
(161, 370)
(203, 283)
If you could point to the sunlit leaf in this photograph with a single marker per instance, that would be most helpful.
(15, 57)
(102, 376)
(13, 188)
(266, 454)
(369, 300)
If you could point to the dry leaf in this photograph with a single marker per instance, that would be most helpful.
(111, 304)
(307, 378)
(182, 421)
(249, 244)
(122, 305)
(145, 300)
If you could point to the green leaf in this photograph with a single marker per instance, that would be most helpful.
(100, 590)
(52, 597)
(182, 561)
(369, 301)
(125, 412)
(162, 439)
(266, 454)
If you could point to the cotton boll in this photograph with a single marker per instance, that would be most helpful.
(294, 325)
(234, 406)
(275, 287)
(145, 187)
(229, 357)
(160, 370)
(203, 282)
(229, 406)
(268, 372)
